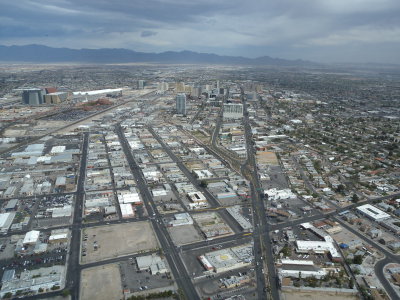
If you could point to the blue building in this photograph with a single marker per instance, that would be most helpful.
(181, 104)
(33, 96)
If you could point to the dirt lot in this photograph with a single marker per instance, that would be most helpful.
(265, 157)
(103, 282)
(117, 240)
(316, 295)
(186, 234)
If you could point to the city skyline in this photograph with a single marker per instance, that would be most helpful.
(328, 31)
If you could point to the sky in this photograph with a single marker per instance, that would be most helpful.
(328, 31)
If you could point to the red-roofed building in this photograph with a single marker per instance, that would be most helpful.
(50, 90)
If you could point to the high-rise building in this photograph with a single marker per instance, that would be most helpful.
(196, 91)
(162, 87)
(141, 84)
(33, 96)
(181, 104)
(180, 87)
(233, 111)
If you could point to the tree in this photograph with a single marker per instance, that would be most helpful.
(340, 189)
(358, 259)
(312, 281)
(203, 184)
(355, 198)
(351, 283)
(65, 293)
(286, 251)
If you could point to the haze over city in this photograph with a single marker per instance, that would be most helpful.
(357, 31)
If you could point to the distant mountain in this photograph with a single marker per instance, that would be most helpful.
(44, 54)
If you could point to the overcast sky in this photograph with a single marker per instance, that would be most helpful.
(317, 30)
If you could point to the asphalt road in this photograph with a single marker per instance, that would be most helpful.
(73, 272)
(177, 267)
(262, 240)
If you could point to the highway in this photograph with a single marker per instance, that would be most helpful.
(177, 267)
(262, 240)
(73, 272)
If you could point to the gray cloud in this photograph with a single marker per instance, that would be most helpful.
(147, 33)
(330, 30)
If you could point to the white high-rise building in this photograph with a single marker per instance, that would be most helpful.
(181, 104)
(141, 84)
(196, 91)
(162, 87)
(233, 111)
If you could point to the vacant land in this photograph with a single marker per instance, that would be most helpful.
(267, 158)
(185, 234)
(111, 241)
(316, 295)
(103, 282)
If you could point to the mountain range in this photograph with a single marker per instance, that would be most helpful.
(45, 54)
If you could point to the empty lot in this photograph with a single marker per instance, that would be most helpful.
(103, 282)
(117, 240)
(185, 234)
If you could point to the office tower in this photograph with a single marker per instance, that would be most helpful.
(233, 111)
(141, 84)
(181, 104)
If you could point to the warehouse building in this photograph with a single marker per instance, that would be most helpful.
(372, 212)
(227, 259)
(152, 262)
(299, 268)
(33, 280)
(127, 210)
(181, 219)
(31, 237)
(6, 220)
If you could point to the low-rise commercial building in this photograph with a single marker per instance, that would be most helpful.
(372, 212)
(33, 280)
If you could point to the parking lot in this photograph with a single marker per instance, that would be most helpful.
(137, 281)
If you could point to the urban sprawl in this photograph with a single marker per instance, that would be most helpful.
(199, 182)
